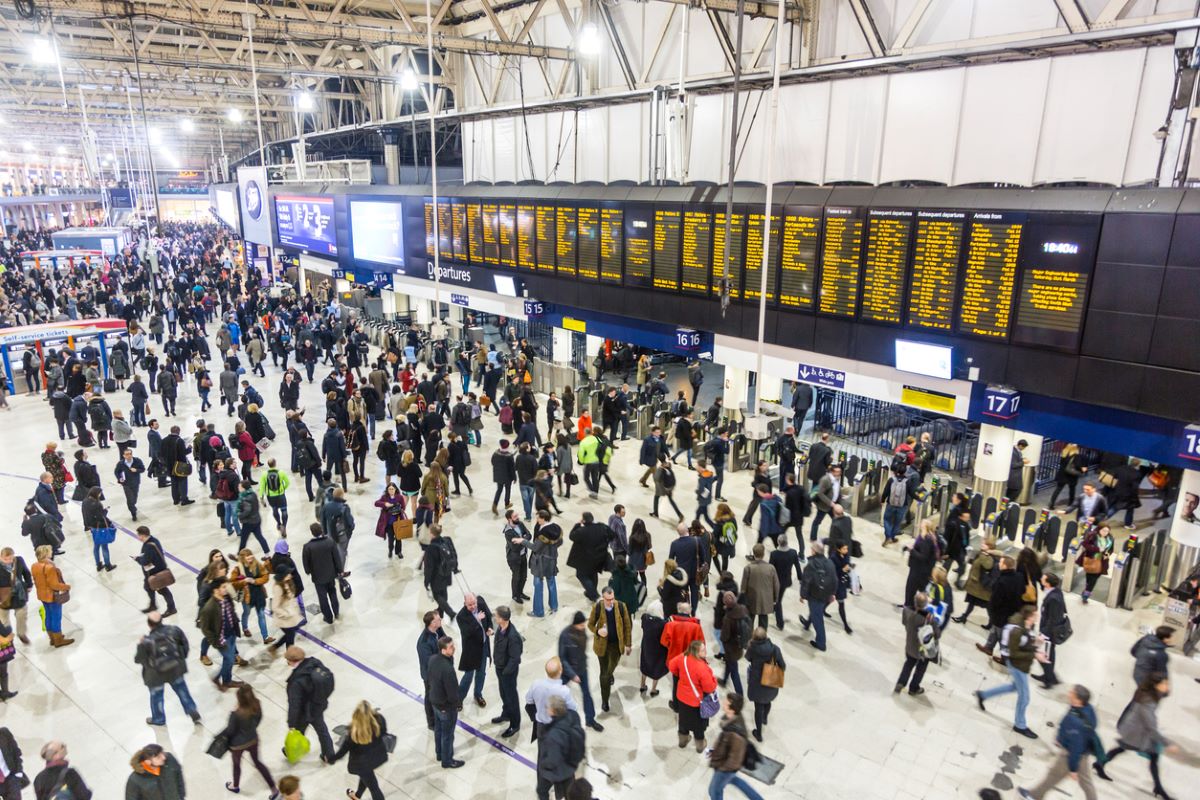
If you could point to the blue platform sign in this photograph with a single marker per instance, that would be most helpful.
(1189, 443)
(1001, 403)
(821, 376)
(339, 273)
(460, 300)
(688, 339)
(536, 308)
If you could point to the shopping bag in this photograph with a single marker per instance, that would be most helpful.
(295, 746)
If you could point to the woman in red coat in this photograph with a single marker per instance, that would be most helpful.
(694, 679)
(391, 508)
(1097, 545)
(246, 450)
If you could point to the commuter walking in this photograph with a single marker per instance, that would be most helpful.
(1137, 730)
(323, 563)
(761, 587)
(1054, 625)
(157, 775)
(272, 487)
(162, 655)
(241, 736)
(694, 680)
(58, 775)
(729, 751)
(734, 633)
(828, 492)
(921, 635)
(1019, 651)
(310, 684)
(1150, 654)
(572, 654)
(762, 657)
(129, 471)
(441, 562)
(286, 609)
(156, 576)
(561, 748)
(1078, 742)
(612, 637)
(218, 622)
(95, 519)
(367, 744)
(818, 585)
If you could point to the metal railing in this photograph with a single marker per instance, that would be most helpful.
(881, 426)
(1051, 458)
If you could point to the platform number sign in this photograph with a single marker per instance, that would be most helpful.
(1001, 403)
(687, 339)
(1189, 443)
(535, 308)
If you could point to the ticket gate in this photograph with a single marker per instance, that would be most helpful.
(1142, 562)
(1046, 532)
(595, 401)
(865, 495)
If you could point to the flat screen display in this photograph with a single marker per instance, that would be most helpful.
(694, 253)
(227, 207)
(475, 233)
(639, 242)
(376, 232)
(507, 235)
(752, 280)
(612, 243)
(1056, 267)
(993, 243)
(798, 256)
(547, 239)
(306, 222)
(937, 248)
(666, 248)
(567, 241)
(924, 359)
(587, 241)
(841, 262)
(737, 237)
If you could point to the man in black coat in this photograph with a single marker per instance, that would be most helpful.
(309, 687)
(507, 650)
(441, 562)
(474, 622)
(515, 553)
(561, 745)
(589, 553)
(443, 696)
(690, 555)
(802, 399)
(175, 460)
(820, 457)
(323, 562)
(129, 474)
(153, 561)
(14, 769)
(1006, 601)
(1052, 625)
(427, 648)
(162, 654)
(798, 503)
(654, 447)
(785, 448)
(785, 560)
(333, 450)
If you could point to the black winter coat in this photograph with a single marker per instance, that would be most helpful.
(365, 758)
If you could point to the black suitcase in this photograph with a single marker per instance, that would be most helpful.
(110, 385)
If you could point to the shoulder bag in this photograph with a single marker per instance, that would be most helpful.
(163, 578)
(710, 704)
(219, 746)
(61, 596)
(772, 674)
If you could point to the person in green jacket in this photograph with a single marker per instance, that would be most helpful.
(272, 488)
(1021, 647)
(589, 456)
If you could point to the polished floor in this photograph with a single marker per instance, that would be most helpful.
(837, 727)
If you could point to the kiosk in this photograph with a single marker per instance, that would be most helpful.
(37, 336)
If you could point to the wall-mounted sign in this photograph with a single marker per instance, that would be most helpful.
(1001, 403)
(821, 376)
(1189, 442)
(460, 300)
(535, 308)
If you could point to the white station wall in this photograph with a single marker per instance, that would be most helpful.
(1084, 117)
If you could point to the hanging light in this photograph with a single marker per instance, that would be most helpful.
(589, 40)
(187, 125)
(235, 116)
(305, 102)
(42, 51)
(408, 80)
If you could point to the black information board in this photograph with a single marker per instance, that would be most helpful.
(666, 248)
(737, 236)
(430, 236)
(526, 237)
(458, 240)
(565, 249)
(587, 242)
(798, 255)
(937, 249)
(612, 242)
(889, 240)
(475, 233)
(1056, 261)
(993, 244)
(507, 235)
(695, 252)
(752, 275)
(841, 261)
(547, 238)
(639, 243)
(491, 241)
(445, 231)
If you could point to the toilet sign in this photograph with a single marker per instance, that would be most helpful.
(821, 376)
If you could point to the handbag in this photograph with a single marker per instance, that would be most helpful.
(219, 746)
(181, 469)
(649, 558)
(160, 580)
(1108, 479)
(402, 529)
(104, 535)
(344, 588)
(710, 704)
(1093, 565)
(772, 674)
(62, 596)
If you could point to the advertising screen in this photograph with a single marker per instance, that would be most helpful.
(376, 232)
(306, 222)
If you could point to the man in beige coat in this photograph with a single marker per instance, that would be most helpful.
(760, 586)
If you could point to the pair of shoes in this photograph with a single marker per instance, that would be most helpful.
(1028, 734)
(1099, 769)
(642, 690)
(596, 726)
(453, 763)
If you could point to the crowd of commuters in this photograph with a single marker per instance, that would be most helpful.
(415, 410)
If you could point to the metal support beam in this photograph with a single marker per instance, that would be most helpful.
(1112, 11)
(911, 23)
(866, 24)
(1073, 14)
(614, 38)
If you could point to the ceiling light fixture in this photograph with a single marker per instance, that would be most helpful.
(408, 80)
(187, 125)
(235, 116)
(589, 40)
(305, 102)
(42, 51)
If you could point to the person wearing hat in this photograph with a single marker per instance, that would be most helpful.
(572, 654)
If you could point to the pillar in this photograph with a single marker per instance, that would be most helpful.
(994, 457)
(770, 388)
(560, 351)
(592, 346)
(391, 155)
(736, 391)
(424, 311)
(387, 302)
(301, 278)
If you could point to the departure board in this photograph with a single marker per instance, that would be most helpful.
(491, 243)
(889, 239)
(993, 244)
(737, 236)
(526, 237)
(798, 256)
(565, 251)
(444, 230)
(752, 279)
(1056, 261)
(547, 239)
(429, 234)
(507, 235)
(695, 249)
(612, 243)
(475, 233)
(841, 261)
(587, 242)
(937, 246)
(666, 248)
(639, 242)
(458, 219)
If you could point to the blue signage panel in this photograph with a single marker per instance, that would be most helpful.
(1001, 403)
(1189, 443)
(821, 376)
(536, 308)
(306, 222)
(460, 299)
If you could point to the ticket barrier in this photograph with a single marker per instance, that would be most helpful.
(941, 495)
(1045, 532)
(865, 492)
(643, 420)
(595, 401)
(1143, 560)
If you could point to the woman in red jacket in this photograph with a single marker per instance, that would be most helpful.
(694, 680)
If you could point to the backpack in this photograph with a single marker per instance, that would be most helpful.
(824, 584)
(461, 416)
(927, 641)
(164, 653)
(989, 578)
(273, 483)
(225, 489)
(751, 759)
(898, 494)
(784, 515)
(729, 532)
(710, 449)
(743, 632)
(668, 479)
(449, 562)
(61, 792)
(322, 683)
(506, 415)
(602, 448)
(1004, 634)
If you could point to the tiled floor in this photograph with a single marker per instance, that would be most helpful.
(837, 727)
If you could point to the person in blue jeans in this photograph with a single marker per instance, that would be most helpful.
(95, 519)
(818, 585)
(895, 506)
(729, 753)
(218, 621)
(1020, 649)
(543, 561)
(162, 654)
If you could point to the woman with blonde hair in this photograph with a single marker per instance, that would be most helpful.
(52, 592)
(409, 476)
(1070, 467)
(249, 577)
(367, 744)
(673, 586)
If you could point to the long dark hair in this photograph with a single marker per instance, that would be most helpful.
(638, 535)
(1147, 691)
(247, 703)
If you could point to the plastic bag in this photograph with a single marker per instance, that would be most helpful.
(855, 582)
(295, 746)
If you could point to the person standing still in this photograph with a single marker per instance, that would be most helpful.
(507, 648)
(443, 696)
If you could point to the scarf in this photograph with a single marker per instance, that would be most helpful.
(150, 768)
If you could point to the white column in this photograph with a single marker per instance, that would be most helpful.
(593, 346)
(561, 346)
(736, 390)
(770, 388)
(341, 285)
(424, 311)
(301, 278)
(387, 301)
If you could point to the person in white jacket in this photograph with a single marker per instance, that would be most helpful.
(285, 609)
